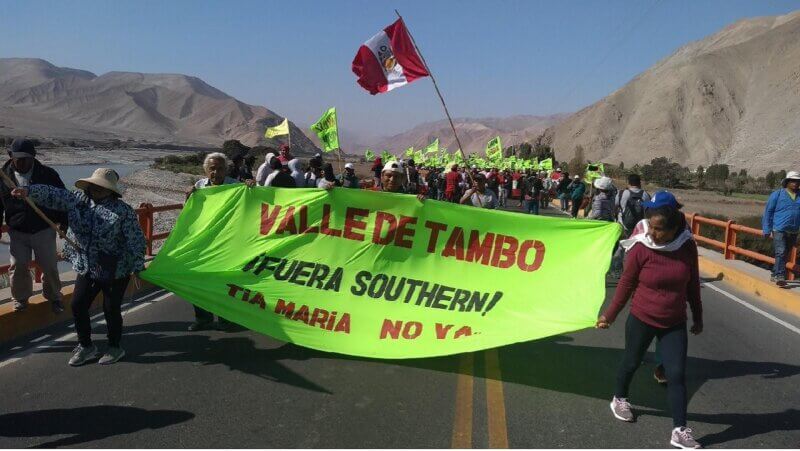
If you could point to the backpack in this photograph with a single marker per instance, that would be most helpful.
(634, 211)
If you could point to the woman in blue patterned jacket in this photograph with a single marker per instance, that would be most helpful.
(112, 248)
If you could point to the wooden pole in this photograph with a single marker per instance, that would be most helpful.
(11, 185)
(441, 99)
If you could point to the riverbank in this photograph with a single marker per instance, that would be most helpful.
(55, 156)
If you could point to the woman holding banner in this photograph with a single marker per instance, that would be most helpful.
(109, 248)
(661, 271)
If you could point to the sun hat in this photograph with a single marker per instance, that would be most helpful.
(103, 177)
(349, 166)
(603, 183)
(393, 166)
(661, 199)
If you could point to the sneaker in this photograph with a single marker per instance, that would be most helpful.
(200, 325)
(56, 306)
(780, 281)
(660, 375)
(20, 305)
(682, 438)
(83, 355)
(621, 409)
(112, 355)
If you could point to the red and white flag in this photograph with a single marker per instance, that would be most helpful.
(388, 60)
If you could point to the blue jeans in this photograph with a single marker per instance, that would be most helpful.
(783, 242)
(533, 206)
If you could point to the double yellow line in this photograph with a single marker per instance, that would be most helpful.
(495, 403)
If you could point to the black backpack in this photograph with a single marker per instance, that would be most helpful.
(634, 211)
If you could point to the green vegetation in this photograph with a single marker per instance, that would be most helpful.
(193, 164)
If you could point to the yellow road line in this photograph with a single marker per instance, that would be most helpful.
(462, 424)
(495, 403)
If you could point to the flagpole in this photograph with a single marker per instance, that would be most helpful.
(439, 93)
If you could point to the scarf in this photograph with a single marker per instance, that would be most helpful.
(640, 235)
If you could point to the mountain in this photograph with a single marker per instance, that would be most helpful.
(733, 98)
(473, 133)
(41, 100)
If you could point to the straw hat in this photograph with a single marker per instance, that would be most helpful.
(103, 177)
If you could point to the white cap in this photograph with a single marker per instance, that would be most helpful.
(792, 175)
(576, 176)
(349, 166)
(474, 167)
(603, 183)
(395, 166)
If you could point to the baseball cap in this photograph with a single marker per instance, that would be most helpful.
(661, 199)
(393, 166)
(349, 166)
(22, 148)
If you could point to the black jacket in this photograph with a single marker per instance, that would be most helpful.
(17, 213)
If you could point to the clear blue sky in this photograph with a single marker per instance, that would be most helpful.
(491, 58)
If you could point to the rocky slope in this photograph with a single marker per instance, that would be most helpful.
(42, 100)
(733, 97)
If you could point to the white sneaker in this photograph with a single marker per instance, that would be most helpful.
(621, 409)
(112, 356)
(83, 355)
(682, 438)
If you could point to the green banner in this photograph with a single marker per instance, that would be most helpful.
(594, 171)
(327, 130)
(383, 275)
(369, 155)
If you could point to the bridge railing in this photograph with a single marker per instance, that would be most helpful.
(730, 233)
(146, 214)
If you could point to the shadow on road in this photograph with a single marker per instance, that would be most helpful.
(86, 424)
(555, 364)
(150, 344)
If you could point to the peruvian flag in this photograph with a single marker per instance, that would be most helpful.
(388, 60)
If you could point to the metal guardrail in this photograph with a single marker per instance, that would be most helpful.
(729, 248)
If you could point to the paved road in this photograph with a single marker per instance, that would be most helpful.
(240, 389)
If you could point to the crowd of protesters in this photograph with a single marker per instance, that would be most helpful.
(656, 256)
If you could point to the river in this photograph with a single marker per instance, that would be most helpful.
(69, 175)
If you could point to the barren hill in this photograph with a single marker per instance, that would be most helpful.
(474, 133)
(42, 100)
(733, 97)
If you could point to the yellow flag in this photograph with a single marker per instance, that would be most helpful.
(278, 130)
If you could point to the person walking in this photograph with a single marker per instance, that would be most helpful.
(576, 192)
(602, 203)
(563, 191)
(661, 272)
(781, 221)
(112, 248)
(214, 166)
(535, 188)
(629, 210)
(480, 195)
(30, 236)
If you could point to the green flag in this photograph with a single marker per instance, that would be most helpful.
(327, 130)
(383, 275)
(546, 164)
(494, 148)
(432, 147)
(386, 156)
(593, 171)
(410, 152)
(369, 155)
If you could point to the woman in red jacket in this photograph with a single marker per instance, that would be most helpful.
(661, 271)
